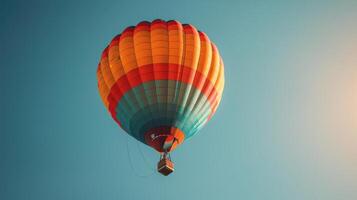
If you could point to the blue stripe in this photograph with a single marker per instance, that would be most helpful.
(146, 106)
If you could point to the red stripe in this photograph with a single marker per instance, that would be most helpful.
(158, 23)
(143, 25)
(161, 71)
(105, 52)
(128, 32)
(203, 36)
(174, 25)
(188, 28)
(156, 137)
(115, 41)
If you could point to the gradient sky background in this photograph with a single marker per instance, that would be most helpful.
(286, 127)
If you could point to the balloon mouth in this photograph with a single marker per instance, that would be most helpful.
(164, 138)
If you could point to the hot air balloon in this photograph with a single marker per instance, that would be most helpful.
(161, 81)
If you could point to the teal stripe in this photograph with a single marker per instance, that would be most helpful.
(155, 103)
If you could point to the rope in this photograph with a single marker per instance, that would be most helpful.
(148, 164)
(132, 165)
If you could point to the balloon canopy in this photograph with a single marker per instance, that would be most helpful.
(161, 81)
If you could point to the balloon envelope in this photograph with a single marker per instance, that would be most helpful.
(161, 81)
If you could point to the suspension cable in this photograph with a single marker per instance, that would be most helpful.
(132, 165)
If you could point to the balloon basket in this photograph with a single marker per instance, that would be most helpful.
(165, 166)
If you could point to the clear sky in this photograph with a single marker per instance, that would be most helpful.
(286, 127)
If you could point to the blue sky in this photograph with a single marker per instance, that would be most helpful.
(286, 127)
